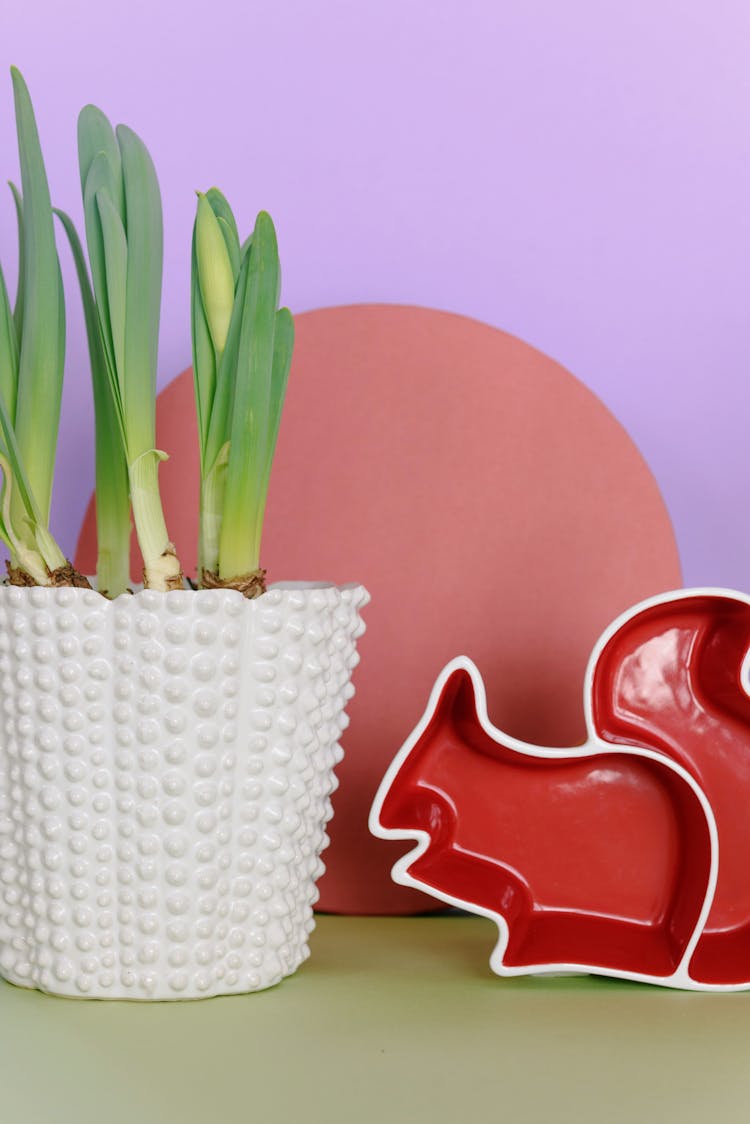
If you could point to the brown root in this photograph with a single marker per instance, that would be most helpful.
(65, 575)
(249, 585)
(17, 576)
(68, 575)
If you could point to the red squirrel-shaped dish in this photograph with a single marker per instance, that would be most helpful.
(625, 856)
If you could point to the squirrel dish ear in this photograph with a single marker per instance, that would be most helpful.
(450, 716)
(455, 704)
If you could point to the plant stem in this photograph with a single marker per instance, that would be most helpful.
(161, 567)
(113, 546)
(211, 510)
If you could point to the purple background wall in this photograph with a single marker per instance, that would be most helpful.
(577, 174)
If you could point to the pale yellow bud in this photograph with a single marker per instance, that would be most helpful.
(215, 274)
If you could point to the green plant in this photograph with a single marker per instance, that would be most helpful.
(111, 492)
(32, 354)
(242, 351)
(123, 219)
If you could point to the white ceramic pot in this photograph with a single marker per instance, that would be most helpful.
(166, 763)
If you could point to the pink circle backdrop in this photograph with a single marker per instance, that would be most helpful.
(490, 503)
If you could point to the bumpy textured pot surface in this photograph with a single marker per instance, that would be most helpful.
(166, 764)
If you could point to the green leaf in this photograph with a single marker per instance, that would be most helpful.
(228, 226)
(112, 499)
(143, 304)
(27, 508)
(232, 245)
(220, 422)
(22, 553)
(239, 547)
(220, 207)
(115, 247)
(8, 352)
(283, 346)
(96, 136)
(48, 548)
(99, 179)
(103, 375)
(41, 359)
(6, 527)
(90, 316)
(213, 465)
(204, 359)
(18, 306)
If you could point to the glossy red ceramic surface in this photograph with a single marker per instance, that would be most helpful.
(627, 855)
(672, 679)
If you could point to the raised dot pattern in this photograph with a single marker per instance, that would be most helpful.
(166, 768)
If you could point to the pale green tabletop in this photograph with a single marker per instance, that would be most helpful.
(392, 1019)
